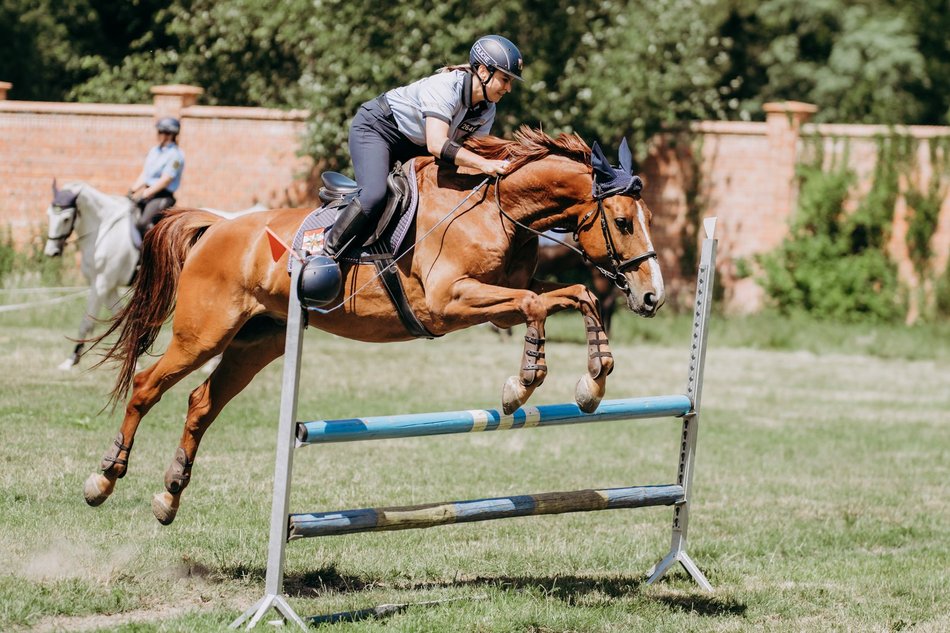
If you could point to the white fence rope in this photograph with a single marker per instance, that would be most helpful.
(44, 302)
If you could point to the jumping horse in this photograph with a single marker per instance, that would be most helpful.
(475, 265)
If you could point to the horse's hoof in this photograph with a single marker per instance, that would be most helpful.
(588, 393)
(164, 507)
(66, 365)
(97, 489)
(513, 395)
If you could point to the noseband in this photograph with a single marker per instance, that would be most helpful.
(619, 266)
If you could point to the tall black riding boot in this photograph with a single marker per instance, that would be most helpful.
(348, 226)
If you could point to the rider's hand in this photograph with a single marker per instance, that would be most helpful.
(495, 167)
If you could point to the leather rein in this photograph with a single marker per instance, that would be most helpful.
(619, 266)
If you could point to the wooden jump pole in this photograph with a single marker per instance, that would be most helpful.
(291, 434)
(433, 514)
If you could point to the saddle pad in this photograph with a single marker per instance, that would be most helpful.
(309, 237)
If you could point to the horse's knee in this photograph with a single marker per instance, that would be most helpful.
(533, 308)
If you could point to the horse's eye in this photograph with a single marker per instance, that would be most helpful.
(623, 224)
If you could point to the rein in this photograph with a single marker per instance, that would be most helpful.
(620, 266)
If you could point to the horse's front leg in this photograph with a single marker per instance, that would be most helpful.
(592, 386)
(469, 302)
(93, 305)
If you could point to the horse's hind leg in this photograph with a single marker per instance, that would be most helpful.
(257, 344)
(148, 386)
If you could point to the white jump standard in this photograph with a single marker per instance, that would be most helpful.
(293, 434)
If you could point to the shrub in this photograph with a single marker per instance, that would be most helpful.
(833, 263)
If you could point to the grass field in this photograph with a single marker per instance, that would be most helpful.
(821, 494)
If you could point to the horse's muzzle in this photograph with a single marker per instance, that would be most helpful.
(54, 248)
(644, 301)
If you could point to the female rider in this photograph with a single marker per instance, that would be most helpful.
(433, 115)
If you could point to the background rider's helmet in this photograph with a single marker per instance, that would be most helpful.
(168, 125)
(497, 53)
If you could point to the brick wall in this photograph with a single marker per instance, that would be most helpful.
(744, 173)
(234, 157)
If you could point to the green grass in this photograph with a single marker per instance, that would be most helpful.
(821, 495)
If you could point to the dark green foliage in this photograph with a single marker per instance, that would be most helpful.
(924, 207)
(7, 252)
(833, 263)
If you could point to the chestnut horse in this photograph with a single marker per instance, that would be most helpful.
(229, 295)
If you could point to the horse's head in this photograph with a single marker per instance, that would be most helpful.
(63, 213)
(613, 229)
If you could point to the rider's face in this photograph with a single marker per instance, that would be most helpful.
(500, 84)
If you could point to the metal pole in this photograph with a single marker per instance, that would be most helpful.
(286, 439)
(694, 388)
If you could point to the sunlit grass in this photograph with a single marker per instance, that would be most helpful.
(821, 500)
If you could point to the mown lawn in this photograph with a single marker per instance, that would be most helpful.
(821, 495)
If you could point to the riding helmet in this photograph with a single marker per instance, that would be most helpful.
(497, 52)
(320, 281)
(168, 125)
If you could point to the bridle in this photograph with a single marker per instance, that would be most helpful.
(72, 223)
(619, 266)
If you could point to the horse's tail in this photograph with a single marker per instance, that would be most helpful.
(153, 293)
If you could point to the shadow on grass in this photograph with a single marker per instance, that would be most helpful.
(570, 589)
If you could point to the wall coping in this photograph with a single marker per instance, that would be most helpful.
(56, 107)
(139, 110)
(177, 90)
(753, 128)
(858, 130)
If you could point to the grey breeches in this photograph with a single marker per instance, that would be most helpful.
(375, 145)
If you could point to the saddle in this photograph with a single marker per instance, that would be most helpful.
(338, 190)
(384, 242)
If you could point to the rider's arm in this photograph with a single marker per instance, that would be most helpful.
(437, 136)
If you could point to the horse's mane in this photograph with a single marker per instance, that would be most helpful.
(529, 145)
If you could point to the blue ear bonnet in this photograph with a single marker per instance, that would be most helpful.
(65, 199)
(613, 181)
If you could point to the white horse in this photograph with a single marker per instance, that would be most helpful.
(107, 241)
(103, 228)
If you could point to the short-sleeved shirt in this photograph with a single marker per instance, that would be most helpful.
(446, 96)
(164, 161)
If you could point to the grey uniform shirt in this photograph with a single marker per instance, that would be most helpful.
(446, 96)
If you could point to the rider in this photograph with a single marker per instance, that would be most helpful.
(154, 190)
(431, 116)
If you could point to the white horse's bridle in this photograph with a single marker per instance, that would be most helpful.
(68, 228)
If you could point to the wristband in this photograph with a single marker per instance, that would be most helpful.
(449, 150)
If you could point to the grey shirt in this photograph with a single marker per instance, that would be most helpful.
(446, 96)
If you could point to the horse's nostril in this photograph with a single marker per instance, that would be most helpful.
(649, 300)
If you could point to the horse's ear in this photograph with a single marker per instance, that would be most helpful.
(55, 189)
(600, 163)
(626, 157)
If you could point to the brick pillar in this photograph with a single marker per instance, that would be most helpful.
(783, 128)
(4, 87)
(783, 124)
(172, 99)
